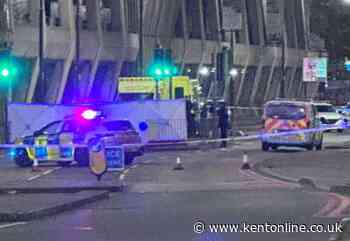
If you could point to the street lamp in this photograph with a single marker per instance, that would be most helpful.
(233, 72)
(204, 71)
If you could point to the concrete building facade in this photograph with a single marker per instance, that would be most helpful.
(193, 29)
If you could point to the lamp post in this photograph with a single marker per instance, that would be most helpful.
(41, 48)
(77, 49)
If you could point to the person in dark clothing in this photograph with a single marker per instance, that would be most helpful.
(223, 122)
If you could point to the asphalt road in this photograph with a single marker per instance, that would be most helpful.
(163, 204)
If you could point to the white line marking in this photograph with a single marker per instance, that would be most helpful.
(44, 173)
(33, 178)
(12, 225)
(47, 172)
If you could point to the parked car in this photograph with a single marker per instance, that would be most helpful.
(328, 115)
(345, 111)
(54, 141)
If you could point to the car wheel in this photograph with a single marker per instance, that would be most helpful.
(22, 159)
(129, 159)
(265, 146)
(274, 147)
(64, 163)
(81, 156)
(340, 130)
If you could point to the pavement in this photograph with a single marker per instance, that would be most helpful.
(27, 195)
(25, 207)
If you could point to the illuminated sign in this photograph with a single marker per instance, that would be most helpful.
(315, 69)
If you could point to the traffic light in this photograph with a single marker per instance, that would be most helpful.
(8, 68)
(5, 72)
(163, 66)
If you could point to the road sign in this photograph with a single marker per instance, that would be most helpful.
(98, 164)
(115, 158)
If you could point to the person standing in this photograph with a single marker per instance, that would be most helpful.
(223, 122)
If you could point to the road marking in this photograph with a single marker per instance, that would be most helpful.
(47, 172)
(335, 206)
(33, 178)
(9, 225)
(84, 228)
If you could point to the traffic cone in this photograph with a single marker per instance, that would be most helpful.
(178, 166)
(35, 166)
(246, 165)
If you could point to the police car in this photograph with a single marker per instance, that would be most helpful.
(68, 140)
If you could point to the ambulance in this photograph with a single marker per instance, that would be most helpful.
(299, 117)
(144, 88)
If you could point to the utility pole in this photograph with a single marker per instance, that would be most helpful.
(141, 71)
(283, 69)
(77, 49)
(42, 80)
(283, 55)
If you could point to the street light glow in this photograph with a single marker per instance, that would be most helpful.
(233, 72)
(5, 72)
(204, 71)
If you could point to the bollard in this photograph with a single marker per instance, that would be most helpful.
(178, 166)
(246, 165)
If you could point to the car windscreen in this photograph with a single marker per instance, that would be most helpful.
(285, 111)
(120, 125)
(82, 127)
(325, 108)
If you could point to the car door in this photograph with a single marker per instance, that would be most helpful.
(48, 138)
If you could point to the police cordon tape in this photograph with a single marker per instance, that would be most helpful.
(261, 135)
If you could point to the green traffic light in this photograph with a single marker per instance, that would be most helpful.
(5, 72)
(158, 72)
(166, 71)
